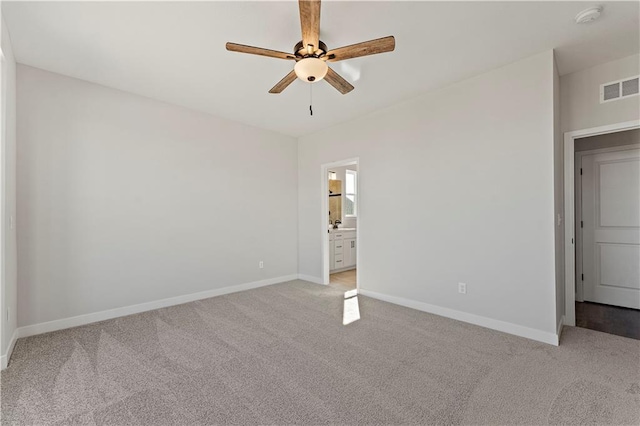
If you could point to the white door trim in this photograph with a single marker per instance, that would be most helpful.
(324, 202)
(570, 211)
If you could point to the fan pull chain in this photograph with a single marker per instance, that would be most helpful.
(310, 99)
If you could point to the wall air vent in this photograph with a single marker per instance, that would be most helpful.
(620, 89)
(630, 87)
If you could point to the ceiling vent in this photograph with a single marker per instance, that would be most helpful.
(620, 89)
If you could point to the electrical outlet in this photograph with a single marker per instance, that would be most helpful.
(261, 264)
(462, 288)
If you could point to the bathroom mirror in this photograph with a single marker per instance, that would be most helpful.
(335, 200)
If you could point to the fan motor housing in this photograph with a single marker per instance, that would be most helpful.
(300, 50)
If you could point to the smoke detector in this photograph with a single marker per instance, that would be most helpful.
(588, 15)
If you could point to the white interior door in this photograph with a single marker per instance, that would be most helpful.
(611, 228)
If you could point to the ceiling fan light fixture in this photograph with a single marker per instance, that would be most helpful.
(311, 53)
(311, 70)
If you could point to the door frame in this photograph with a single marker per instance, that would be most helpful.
(324, 203)
(570, 210)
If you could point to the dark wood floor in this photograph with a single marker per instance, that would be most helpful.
(609, 319)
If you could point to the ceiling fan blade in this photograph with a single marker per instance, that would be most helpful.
(310, 22)
(371, 47)
(336, 80)
(282, 84)
(235, 47)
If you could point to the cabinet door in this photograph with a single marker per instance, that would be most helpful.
(349, 252)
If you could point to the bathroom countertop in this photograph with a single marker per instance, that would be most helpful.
(342, 229)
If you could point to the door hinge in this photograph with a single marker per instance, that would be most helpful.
(582, 277)
(581, 224)
(580, 171)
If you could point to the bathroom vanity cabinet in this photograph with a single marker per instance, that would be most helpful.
(342, 249)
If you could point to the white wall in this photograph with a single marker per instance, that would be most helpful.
(579, 94)
(473, 165)
(341, 173)
(124, 200)
(8, 296)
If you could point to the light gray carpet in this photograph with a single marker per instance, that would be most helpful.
(281, 355)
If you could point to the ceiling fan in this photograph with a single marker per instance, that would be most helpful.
(311, 54)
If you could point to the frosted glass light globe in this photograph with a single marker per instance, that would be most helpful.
(311, 70)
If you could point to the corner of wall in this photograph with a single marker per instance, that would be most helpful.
(6, 356)
(559, 330)
(8, 294)
(297, 139)
(559, 220)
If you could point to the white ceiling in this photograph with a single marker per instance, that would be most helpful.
(175, 51)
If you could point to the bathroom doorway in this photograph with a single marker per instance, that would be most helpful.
(607, 200)
(341, 211)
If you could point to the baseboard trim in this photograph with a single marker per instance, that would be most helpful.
(61, 324)
(310, 278)
(4, 359)
(503, 326)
